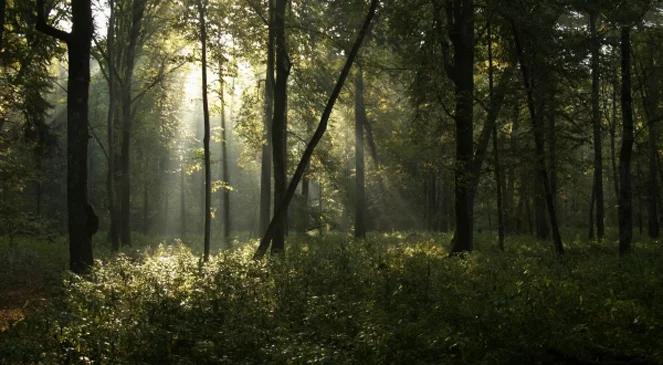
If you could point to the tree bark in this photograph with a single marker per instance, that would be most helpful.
(82, 220)
(625, 193)
(206, 137)
(317, 136)
(596, 124)
(360, 188)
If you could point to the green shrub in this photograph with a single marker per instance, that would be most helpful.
(334, 301)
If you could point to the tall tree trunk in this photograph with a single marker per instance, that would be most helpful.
(650, 99)
(82, 221)
(462, 38)
(282, 207)
(125, 96)
(225, 172)
(596, 123)
(625, 193)
(266, 164)
(539, 142)
(279, 129)
(113, 229)
(496, 152)
(206, 136)
(182, 203)
(613, 138)
(592, 204)
(360, 188)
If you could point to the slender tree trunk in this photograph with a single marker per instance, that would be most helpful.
(360, 188)
(225, 172)
(281, 210)
(625, 193)
(596, 123)
(113, 229)
(266, 167)
(496, 152)
(613, 139)
(82, 221)
(539, 142)
(182, 203)
(206, 137)
(463, 76)
(592, 203)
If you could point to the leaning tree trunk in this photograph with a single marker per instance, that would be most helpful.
(596, 124)
(282, 207)
(625, 193)
(266, 161)
(360, 186)
(83, 222)
(206, 137)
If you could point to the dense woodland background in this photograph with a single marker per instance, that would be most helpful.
(372, 146)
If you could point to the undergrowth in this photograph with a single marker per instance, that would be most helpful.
(391, 299)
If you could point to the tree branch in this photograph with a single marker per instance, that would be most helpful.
(47, 29)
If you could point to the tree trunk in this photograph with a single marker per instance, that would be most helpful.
(499, 183)
(279, 129)
(281, 210)
(82, 221)
(613, 139)
(463, 76)
(182, 203)
(266, 166)
(206, 136)
(592, 203)
(625, 193)
(225, 172)
(113, 229)
(539, 142)
(596, 123)
(360, 188)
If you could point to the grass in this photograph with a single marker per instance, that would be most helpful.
(396, 298)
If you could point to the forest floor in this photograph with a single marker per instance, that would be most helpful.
(394, 298)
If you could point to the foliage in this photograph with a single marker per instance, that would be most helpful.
(393, 299)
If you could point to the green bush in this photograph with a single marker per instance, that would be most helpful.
(391, 299)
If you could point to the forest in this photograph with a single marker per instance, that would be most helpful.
(331, 181)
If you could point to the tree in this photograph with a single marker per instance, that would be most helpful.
(460, 70)
(528, 58)
(360, 187)
(279, 127)
(282, 206)
(625, 193)
(82, 220)
(266, 160)
(597, 195)
(201, 5)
